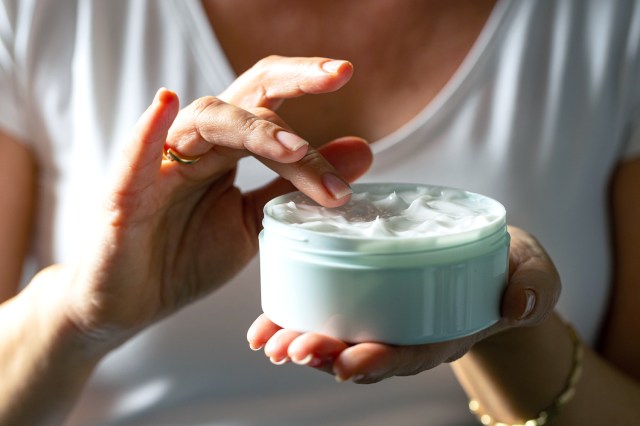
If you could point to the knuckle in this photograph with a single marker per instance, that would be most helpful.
(263, 113)
(268, 114)
(261, 69)
(267, 62)
(206, 103)
(312, 158)
(253, 124)
(203, 113)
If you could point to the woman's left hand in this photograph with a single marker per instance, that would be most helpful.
(531, 294)
(171, 232)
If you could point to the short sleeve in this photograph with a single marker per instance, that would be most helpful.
(11, 117)
(632, 147)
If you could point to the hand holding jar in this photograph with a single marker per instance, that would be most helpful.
(528, 299)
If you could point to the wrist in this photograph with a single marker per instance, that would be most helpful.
(48, 300)
(521, 372)
(44, 360)
(52, 299)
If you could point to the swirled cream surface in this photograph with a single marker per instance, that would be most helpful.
(403, 211)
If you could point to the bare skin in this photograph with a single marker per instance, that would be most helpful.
(415, 39)
(66, 336)
(428, 56)
(158, 245)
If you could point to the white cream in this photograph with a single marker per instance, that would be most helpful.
(398, 212)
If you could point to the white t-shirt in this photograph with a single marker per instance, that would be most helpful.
(537, 116)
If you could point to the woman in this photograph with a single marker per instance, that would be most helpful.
(473, 94)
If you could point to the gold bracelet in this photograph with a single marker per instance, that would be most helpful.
(548, 413)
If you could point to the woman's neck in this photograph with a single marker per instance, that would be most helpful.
(403, 53)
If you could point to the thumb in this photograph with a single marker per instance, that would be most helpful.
(534, 283)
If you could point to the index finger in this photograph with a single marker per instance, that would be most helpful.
(275, 78)
(209, 123)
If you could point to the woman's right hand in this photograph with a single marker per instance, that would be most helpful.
(174, 232)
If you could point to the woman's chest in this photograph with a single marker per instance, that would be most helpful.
(403, 54)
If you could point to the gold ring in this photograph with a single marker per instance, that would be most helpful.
(171, 155)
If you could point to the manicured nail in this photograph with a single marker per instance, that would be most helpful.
(354, 379)
(158, 92)
(162, 94)
(530, 303)
(279, 361)
(357, 378)
(255, 348)
(317, 362)
(304, 361)
(337, 187)
(332, 66)
(290, 141)
(341, 379)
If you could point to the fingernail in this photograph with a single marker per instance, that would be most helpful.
(332, 66)
(279, 361)
(317, 362)
(304, 361)
(354, 379)
(255, 348)
(290, 141)
(157, 95)
(357, 378)
(337, 187)
(162, 94)
(530, 303)
(341, 379)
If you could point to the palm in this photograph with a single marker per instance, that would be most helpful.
(203, 253)
(168, 256)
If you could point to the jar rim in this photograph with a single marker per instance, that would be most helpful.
(308, 239)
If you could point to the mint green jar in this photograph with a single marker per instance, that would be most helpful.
(401, 264)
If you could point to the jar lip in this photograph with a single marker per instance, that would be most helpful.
(326, 241)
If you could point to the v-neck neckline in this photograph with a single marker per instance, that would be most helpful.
(453, 88)
(217, 69)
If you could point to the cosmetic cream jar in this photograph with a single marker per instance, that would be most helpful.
(399, 263)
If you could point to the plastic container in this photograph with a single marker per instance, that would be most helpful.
(383, 274)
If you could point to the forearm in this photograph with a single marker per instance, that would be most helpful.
(44, 360)
(517, 374)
